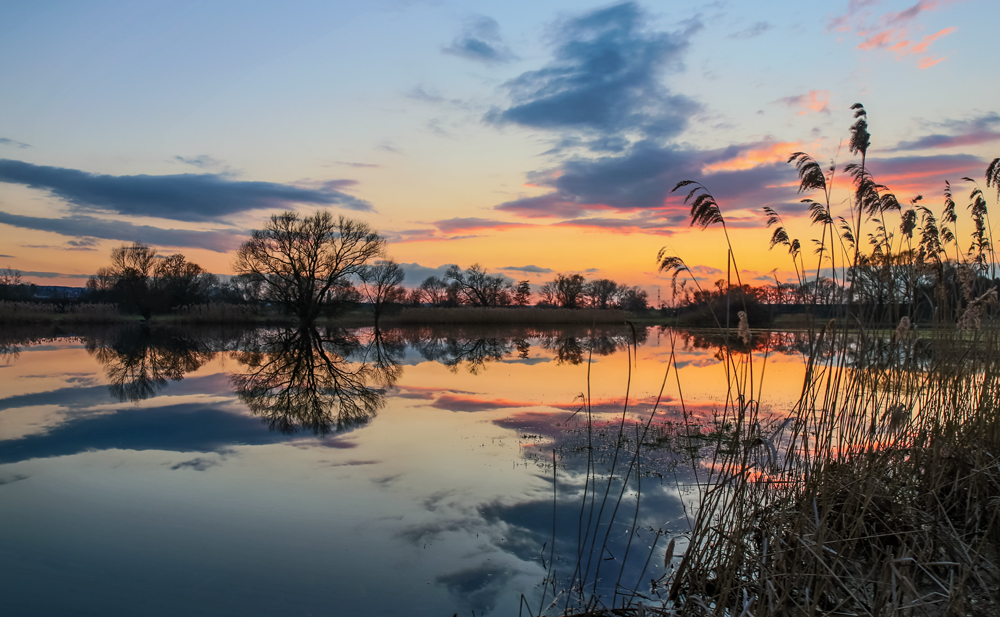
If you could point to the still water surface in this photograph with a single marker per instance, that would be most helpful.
(266, 472)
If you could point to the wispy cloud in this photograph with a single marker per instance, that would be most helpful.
(355, 164)
(983, 129)
(605, 80)
(420, 93)
(480, 40)
(529, 268)
(908, 176)
(183, 197)
(54, 275)
(815, 101)
(203, 161)
(4, 141)
(456, 225)
(650, 224)
(751, 31)
(80, 225)
(891, 31)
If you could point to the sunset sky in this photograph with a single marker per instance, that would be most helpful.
(534, 138)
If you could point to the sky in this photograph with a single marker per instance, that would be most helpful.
(533, 138)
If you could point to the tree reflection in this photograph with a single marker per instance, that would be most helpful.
(305, 380)
(475, 348)
(139, 362)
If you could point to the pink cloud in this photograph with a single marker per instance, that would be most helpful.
(816, 101)
(929, 61)
(475, 224)
(889, 31)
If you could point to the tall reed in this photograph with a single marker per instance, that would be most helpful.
(879, 493)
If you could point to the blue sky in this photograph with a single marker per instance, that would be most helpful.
(514, 134)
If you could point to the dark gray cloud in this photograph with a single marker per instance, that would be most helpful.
(183, 197)
(605, 80)
(983, 129)
(203, 161)
(83, 242)
(639, 183)
(79, 225)
(528, 268)
(414, 274)
(198, 464)
(4, 141)
(55, 275)
(750, 32)
(480, 40)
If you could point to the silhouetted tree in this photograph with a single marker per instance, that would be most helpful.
(632, 299)
(178, 282)
(477, 288)
(569, 290)
(434, 290)
(127, 281)
(380, 284)
(12, 287)
(601, 293)
(522, 293)
(301, 262)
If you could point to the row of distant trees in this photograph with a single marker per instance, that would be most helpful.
(309, 266)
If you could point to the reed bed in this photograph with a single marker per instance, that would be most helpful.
(216, 313)
(878, 494)
(513, 316)
(37, 312)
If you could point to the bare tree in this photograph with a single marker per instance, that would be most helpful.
(474, 286)
(9, 276)
(300, 261)
(434, 290)
(548, 293)
(12, 287)
(127, 279)
(380, 284)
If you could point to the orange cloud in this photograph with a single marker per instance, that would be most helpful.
(929, 61)
(881, 39)
(889, 31)
(930, 38)
(817, 101)
(762, 155)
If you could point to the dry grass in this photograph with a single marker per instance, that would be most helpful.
(216, 313)
(879, 495)
(514, 316)
(36, 312)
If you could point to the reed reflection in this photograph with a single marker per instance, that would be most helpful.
(321, 381)
(140, 361)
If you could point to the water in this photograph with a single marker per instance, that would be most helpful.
(266, 472)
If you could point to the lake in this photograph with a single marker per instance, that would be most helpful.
(409, 472)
